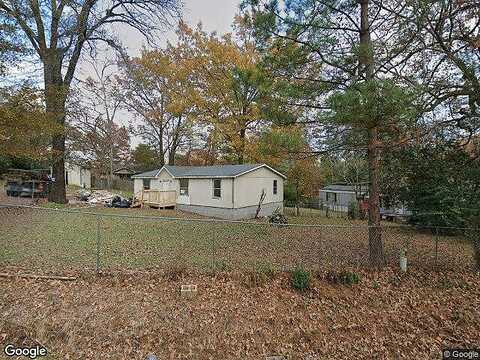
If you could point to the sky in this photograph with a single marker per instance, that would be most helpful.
(215, 15)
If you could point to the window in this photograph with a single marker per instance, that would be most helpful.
(146, 184)
(332, 197)
(183, 186)
(274, 187)
(217, 188)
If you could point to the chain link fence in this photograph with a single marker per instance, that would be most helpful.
(55, 240)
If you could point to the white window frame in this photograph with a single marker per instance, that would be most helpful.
(219, 188)
(185, 190)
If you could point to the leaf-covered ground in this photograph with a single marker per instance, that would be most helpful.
(387, 316)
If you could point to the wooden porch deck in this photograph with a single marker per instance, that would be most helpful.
(156, 198)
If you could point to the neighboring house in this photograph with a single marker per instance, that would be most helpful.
(222, 191)
(78, 175)
(124, 173)
(338, 196)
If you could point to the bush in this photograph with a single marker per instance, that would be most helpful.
(300, 279)
(343, 277)
(277, 217)
(353, 210)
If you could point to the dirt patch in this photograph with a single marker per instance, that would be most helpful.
(388, 315)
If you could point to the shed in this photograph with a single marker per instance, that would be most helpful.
(339, 196)
(78, 175)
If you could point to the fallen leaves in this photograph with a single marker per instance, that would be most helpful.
(413, 315)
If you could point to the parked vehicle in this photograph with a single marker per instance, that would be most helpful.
(13, 188)
(27, 183)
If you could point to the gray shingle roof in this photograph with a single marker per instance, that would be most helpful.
(147, 174)
(203, 171)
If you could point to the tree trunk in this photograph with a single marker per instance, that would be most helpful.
(376, 253)
(375, 231)
(110, 173)
(55, 99)
(171, 156)
(241, 153)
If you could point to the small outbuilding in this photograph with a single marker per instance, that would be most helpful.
(124, 173)
(224, 191)
(338, 197)
(78, 175)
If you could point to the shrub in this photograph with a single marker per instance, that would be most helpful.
(300, 279)
(353, 210)
(219, 266)
(474, 235)
(277, 217)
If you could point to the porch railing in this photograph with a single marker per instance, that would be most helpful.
(157, 197)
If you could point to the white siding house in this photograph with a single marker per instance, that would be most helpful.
(78, 175)
(223, 191)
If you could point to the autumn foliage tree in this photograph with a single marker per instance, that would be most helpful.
(57, 32)
(25, 130)
(156, 90)
(229, 87)
(287, 149)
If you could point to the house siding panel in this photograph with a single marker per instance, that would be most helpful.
(248, 188)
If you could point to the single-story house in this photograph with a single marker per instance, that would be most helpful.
(78, 175)
(339, 196)
(223, 191)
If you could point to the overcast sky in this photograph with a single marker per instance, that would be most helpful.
(215, 15)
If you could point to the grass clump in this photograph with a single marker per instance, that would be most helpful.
(343, 277)
(300, 279)
(259, 276)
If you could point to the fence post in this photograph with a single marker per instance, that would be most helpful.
(98, 244)
(436, 247)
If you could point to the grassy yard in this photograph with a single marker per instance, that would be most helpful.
(55, 240)
(247, 314)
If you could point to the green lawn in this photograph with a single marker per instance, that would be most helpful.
(52, 239)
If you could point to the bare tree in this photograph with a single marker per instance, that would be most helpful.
(154, 92)
(58, 30)
(95, 137)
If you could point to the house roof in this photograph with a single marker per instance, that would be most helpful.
(124, 171)
(345, 188)
(147, 174)
(222, 171)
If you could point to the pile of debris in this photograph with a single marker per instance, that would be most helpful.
(103, 197)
